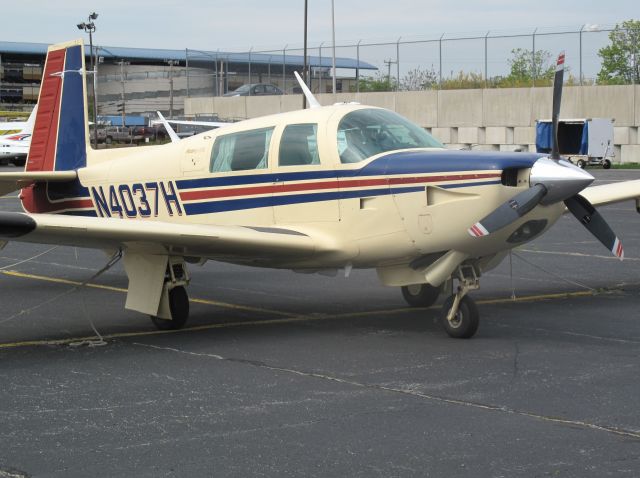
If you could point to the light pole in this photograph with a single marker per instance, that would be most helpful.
(90, 27)
(171, 63)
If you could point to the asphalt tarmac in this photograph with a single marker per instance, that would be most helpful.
(281, 374)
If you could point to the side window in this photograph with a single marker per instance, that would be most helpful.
(241, 151)
(299, 145)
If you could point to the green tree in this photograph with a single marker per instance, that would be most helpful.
(419, 79)
(621, 59)
(380, 82)
(525, 67)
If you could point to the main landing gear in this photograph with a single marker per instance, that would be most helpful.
(174, 297)
(459, 314)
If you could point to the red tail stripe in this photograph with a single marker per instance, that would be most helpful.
(45, 131)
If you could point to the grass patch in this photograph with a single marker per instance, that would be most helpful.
(626, 166)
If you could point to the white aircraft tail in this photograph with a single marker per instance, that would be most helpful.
(28, 127)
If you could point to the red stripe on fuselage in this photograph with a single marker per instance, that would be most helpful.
(321, 185)
(45, 130)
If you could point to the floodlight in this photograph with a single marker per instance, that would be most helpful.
(93, 16)
(81, 26)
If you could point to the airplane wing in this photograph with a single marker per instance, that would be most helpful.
(212, 124)
(232, 243)
(10, 182)
(612, 193)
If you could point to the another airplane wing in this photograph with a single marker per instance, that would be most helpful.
(232, 243)
(10, 182)
(212, 124)
(612, 193)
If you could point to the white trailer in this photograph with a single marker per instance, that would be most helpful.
(584, 141)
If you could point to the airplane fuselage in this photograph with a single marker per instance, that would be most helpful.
(390, 208)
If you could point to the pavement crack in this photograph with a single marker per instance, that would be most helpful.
(635, 434)
(516, 356)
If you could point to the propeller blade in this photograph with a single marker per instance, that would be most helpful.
(584, 211)
(557, 100)
(510, 211)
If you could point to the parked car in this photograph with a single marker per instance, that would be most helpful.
(122, 134)
(256, 89)
(146, 132)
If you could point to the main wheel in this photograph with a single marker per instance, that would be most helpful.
(606, 164)
(421, 295)
(179, 307)
(582, 163)
(465, 323)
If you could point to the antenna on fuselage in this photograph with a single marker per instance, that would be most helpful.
(172, 134)
(313, 103)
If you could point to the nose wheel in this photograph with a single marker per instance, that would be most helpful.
(459, 314)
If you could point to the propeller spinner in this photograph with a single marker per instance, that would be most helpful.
(552, 180)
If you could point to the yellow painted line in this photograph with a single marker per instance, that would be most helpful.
(225, 305)
(289, 320)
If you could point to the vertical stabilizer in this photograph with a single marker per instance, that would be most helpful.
(59, 141)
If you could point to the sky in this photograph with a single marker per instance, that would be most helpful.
(263, 25)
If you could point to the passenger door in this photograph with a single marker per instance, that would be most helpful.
(306, 185)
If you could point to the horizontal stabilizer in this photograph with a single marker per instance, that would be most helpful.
(10, 182)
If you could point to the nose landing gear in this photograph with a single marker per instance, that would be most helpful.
(459, 314)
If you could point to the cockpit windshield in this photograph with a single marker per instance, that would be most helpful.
(367, 132)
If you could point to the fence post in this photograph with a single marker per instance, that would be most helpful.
(440, 59)
(186, 55)
(398, 64)
(580, 33)
(216, 80)
(284, 59)
(250, 70)
(358, 66)
(321, 67)
(486, 62)
(533, 59)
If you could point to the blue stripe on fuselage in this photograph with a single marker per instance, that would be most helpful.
(398, 163)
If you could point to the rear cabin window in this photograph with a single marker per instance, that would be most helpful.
(299, 145)
(367, 132)
(241, 151)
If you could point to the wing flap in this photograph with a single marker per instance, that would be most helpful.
(211, 241)
(612, 193)
(10, 182)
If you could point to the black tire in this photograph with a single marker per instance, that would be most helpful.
(467, 319)
(108, 140)
(582, 163)
(421, 295)
(179, 307)
(19, 162)
(606, 164)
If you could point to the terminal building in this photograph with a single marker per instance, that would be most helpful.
(142, 80)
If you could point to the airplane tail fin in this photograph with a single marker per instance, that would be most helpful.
(60, 130)
(28, 127)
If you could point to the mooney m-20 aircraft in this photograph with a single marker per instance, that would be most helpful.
(326, 188)
(17, 140)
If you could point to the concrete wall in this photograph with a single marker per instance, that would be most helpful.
(491, 119)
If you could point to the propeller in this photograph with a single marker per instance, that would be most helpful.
(553, 180)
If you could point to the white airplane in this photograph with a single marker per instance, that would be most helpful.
(335, 187)
(16, 144)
